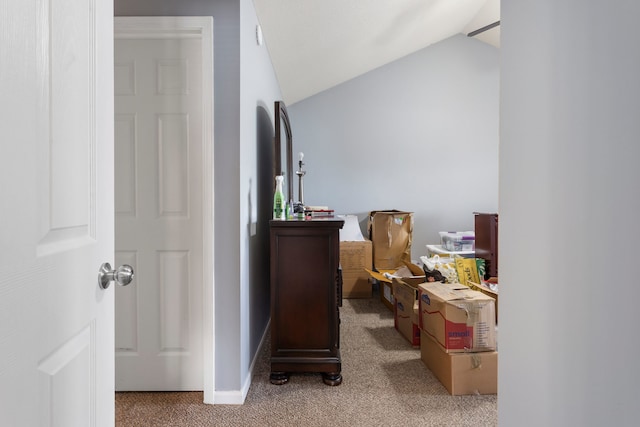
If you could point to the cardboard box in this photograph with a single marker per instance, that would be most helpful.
(405, 315)
(461, 373)
(458, 318)
(482, 287)
(391, 233)
(409, 273)
(386, 295)
(355, 261)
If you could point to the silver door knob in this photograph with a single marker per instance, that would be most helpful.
(123, 275)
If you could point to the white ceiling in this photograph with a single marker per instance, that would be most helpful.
(317, 44)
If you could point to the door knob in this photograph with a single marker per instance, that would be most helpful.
(123, 275)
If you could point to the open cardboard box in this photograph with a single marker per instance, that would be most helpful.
(410, 273)
(458, 318)
(405, 315)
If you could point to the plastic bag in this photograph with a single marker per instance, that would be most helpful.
(437, 269)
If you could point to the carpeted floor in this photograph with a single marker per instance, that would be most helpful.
(384, 384)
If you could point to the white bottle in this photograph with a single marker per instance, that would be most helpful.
(278, 200)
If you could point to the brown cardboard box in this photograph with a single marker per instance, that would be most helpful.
(391, 233)
(457, 317)
(487, 291)
(410, 273)
(386, 295)
(461, 373)
(355, 260)
(405, 315)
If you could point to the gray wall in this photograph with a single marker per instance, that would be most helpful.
(259, 89)
(419, 134)
(569, 204)
(245, 88)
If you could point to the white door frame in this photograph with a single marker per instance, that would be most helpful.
(201, 27)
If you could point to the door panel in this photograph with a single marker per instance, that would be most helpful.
(56, 112)
(67, 161)
(65, 382)
(125, 134)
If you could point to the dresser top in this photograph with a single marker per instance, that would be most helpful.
(314, 222)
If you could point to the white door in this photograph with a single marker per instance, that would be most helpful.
(56, 213)
(159, 209)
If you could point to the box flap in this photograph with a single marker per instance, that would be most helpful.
(403, 273)
(391, 233)
(380, 276)
(445, 291)
(416, 270)
(483, 288)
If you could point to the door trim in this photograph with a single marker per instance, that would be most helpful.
(135, 27)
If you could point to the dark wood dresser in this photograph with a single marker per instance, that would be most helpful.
(306, 293)
(486, 230)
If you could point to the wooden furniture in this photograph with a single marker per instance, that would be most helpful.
(306, 292)
(486, 231)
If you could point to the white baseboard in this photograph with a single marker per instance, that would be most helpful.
(237, 397)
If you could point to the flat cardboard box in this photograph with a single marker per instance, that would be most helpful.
(355, 261)
(461, 373)
(391, 233)
(409, 273)
(458, 318)
(405, 315)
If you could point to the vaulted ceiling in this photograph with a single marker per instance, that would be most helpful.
(317, 44)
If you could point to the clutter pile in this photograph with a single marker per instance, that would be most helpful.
(445, 304)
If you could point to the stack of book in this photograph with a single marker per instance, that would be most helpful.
(318, 212)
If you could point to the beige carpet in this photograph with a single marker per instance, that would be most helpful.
(384, 384)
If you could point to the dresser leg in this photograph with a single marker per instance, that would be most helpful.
(332, 378)
(279, 378)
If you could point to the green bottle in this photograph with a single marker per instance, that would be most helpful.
(278, 200)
